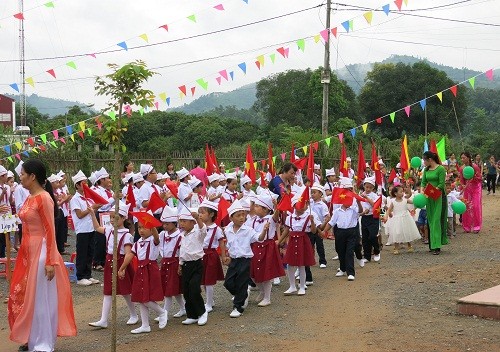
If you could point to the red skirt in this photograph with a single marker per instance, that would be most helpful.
(170, 279)
(123, 286)
(212, 268)
(299, 251)
(266, 262)
(147, 285)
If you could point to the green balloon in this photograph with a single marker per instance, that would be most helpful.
(459, 207)
(468, 172)
(416, 162)
(420, 201)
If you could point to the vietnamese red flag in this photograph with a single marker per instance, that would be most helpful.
(376, 166)
(300, 163)
(214, 159)
(392, 176)
(376, 207)
(249, 165)
(270, 162)
(433, 148)
(146, 219)
(263, 182)
(310, 164)
(91, 194)
(222, 211)
(339, 195)
(209, 164)
(130, 198)
(343, 162)
(432, 192)
(361, 164)
(173, 188)
(404, 159)
(304, 199)
(155, 202)
(285, 203)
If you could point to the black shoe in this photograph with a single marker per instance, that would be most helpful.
(23, 347)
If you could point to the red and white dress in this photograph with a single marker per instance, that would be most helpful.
(123, 286)
(212, 267)
(146, 286)
(169, 250)
(299, 251)
(266, 261)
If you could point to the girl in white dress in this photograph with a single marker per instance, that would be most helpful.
(402, 228)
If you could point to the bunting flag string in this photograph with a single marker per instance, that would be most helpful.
(20, 15)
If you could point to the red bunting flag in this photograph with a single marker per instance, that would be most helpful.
(315, 146)
(51, 72)
(146, 219)
(173, 188)
(376, 207)
(375, 165)
(310, 164)
(222, 212)
(80, 133)
(270, 161)
(183, 89)
(130, 198)
(19, 16)
(361, 164)
(31, 141)
(343, 162)
(304, 199)
(285, 203)
(399, 3)
(91, 194)
(433, 148)
(155, 202)
(392, 176)
(165, 27)
(249, 165)
(193, 90)
(454, 91)
(379, 120)
(209, 164)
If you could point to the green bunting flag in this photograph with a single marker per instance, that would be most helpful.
(301, 44)
(203, 84)
(53, 143)
(89, 131)
(273, 57)
(192, 18)
(392, 115)
(112, 115)
(10, 159)
(141, 111)
(71, 64)
(44, 138)
(49, 4)
(472, 82)
(328, 140)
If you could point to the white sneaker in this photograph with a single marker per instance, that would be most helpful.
(141, 330)
(364, 260)
(84, 282)
(208, 308)
(157, 319)
(133, 320)
(376, 257)
(335, 258)
(247, 299)
(93, 281)
(322, 266)
(361, 263)
(203, 319)
(99, 324)
(189, 321)
(309, 283)
(301, 292)
(264, 303)
(163, 320)
(340, 273)
(276, 281)
(235, 313)
(290, 291)
(180, 313)
(350, 278)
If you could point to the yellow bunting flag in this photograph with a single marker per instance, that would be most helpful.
(261, 59)
(440, 96)
(368, 17)
(365, 127)
(35, 150)
(144, 37)
(304, 148)
(317, 37)
(72, 137)
(82, 125)
(18, 145)
(163, 96)
(30, 81)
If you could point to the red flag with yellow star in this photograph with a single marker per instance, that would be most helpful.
(375, 165)
(343, 162)
(304, 199)
(130, 198)
(146, 219)
(376, 207)
(432, 192)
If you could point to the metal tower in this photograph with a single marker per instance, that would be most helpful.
(22, 96)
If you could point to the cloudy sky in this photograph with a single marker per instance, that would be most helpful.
(74, 27)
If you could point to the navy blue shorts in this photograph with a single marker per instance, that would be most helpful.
(422, 218)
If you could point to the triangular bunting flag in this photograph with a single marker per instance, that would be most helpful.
(423, 103)
(55, 133)
(168, 100)
(144, 37)
(30, 81)
(14, 86)
(351, 24)
(407, 110)
(49, 4)
(71, 64)
(19, 16)
(379, 120)
(163, 96)
(346, 26)
(328, 141)
(69, 129)
(341, 137)
(141, 111)
(157, 104)
(334, 32)
(368, 17)
(123, 45)
(183, 89)
(219, 7)
(223, 74)
(440, 96)
(35, 150)
(386, 9)
(489, 74)
(272, 57)
(193, 90)
(301, 44)
(53, 144)
(257, 63)
(231, 74)
(80, 133)
(63, 141)
(392, 115)
(472, 82)
(203, 84)
(317, 38)
(325, 34)
(353, 132)
(165, 27)
(10, 159)
(112, 115)
(72, 136)
(19, 145)
(89, 131)
(283, 156)
(304, 148)
(43, 137)
(82, 125)
(365, 127)
(18, 157)
(243, 67)
(218, 79)
(30, 141)
(26, 154)
(399, 3)
(261, 59)
(51, 72)
(192, 18)
(454, 91)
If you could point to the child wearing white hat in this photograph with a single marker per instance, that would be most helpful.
(266, 262)
(319, 207)
(149, 187)
(239, 240)
(103, 188)
(196, 186)
(170, 242)
(123, 284)
(212, 268)
(185, 191)
(213, 193)
(230, 193)
(369, 224)
(246, 188)
(222, 183)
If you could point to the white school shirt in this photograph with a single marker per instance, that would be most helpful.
(192, 244)
(213, 192)
(5, 200)
(195, 200)
(184, 192)
(218, 236)
(249, 220)
(259, 223)
(111, 201)
(451, 199)
(321, 209)
(110, 234)
(168, 242)
(249, 195)
(230, 196)
(140, 248)
(145, 192)
(239, 242)
(65, 207)
(220, 189)
(20, 196)
(344, 218)
(373, 196)
(297, 221)
(317, 178)
(84, 224)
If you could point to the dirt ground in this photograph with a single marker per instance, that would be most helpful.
(403, 303)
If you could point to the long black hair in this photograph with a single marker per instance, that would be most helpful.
(36, 167)
(431, 155)
(468, 156)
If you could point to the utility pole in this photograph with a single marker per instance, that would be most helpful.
(325, 75)
(22, 96)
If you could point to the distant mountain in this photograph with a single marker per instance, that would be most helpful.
(49, 106)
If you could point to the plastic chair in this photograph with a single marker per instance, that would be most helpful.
(73, 257)
(71, 267)
(3, 261)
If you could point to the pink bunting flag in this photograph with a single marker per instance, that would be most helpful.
(223, 73)
(157, 105)
(18, 156)
(19, 16)
(219, 7)
(407, 110)
(283, 156)
(399, 3)
(99, 124)
(51, 72)
(283, 51)
(218, 79)
(183, 89)
(379, 120)
(454, 91)
(325, 34)
(128, 110)
(56, 134)
(91, 55)
(63, 140)
(489, 74)
(341, 137)
(193, 89)
(165, 27)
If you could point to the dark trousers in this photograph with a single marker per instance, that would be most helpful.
(317, 242)
(491, 182)
(369, 233)
(345, 242)
(358, 247)
(60, 235)
(99, 247)
(3, 244)
(191, 288)
(20, 233)
(136, 234)
(236, 282)
(84, 254)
